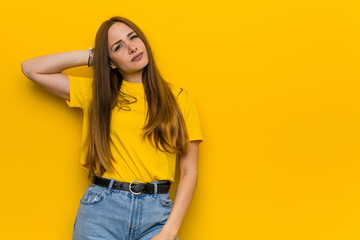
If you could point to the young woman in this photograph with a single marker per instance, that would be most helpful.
(136, 126)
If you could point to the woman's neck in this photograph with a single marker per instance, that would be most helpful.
(134, 77)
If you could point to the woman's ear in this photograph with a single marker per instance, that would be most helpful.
(111, 64)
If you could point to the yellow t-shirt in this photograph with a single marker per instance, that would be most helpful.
(136, 159)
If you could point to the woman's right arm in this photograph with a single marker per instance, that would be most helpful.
(46, 70)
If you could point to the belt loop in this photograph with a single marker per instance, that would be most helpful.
(110, 186)
(155, 189)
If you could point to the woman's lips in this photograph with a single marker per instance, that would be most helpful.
(137, 58)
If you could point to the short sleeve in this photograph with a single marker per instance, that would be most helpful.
(80, 91)
(191, 115)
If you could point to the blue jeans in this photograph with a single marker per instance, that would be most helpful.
(109, 214)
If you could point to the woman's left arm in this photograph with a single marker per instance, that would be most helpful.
(187, 183)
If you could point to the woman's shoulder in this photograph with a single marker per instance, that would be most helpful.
(80, 90)
(179, 91)
(81, 81)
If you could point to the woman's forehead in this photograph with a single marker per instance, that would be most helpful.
(118, 31)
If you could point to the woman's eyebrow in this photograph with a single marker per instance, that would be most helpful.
(121, 40)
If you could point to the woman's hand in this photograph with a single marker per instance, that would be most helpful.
(163, 236)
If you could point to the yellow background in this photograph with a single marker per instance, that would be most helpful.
(276, 83)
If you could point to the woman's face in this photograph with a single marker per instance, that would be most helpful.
(122, 53)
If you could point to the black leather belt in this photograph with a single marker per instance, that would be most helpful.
(135, 187)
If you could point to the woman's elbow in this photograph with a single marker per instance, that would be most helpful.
(24, 69)
(189, 172)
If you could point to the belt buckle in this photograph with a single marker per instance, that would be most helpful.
(135, 193)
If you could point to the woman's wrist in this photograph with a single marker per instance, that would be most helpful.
(91, 57)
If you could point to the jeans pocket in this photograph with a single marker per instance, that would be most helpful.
(92, 197)
(165, 200)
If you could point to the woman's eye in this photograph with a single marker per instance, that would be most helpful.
(134, 36)
(117, 47)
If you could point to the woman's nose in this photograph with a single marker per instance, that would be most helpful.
(131, 47)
